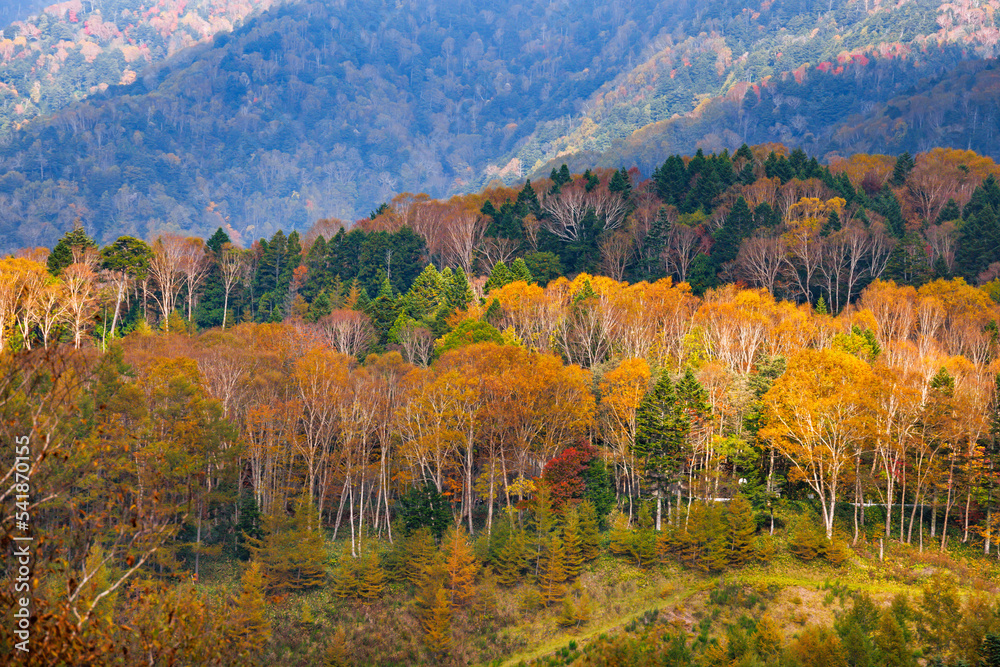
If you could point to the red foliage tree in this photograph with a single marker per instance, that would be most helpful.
(564, 473)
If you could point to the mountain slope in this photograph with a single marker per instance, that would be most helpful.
(315, 109)
(805, 74)
(70, 50)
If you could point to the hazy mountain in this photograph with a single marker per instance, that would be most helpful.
(314, 110)
(17, 10)
(55, 54)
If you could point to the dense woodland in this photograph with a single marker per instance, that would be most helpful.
(323, 110)
(462, 425)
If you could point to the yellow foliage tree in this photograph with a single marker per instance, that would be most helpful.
(818, 414)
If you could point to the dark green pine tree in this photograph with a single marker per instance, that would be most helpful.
(383, 311)
(743, 153)
(831, 225)
(519, 271)
(620, 183)
(527, 201)
(210, 306)
(908, 263)
(904, 165)
(268, 275)
(343, 252)
(949, 212)
(886, 204)
(652, 265)
(320, 307)
(457, 293)
(426, 294)
(692, 396)
(738, 226)
(499, 276)
(62, 254)
(319, 277)
(979, 235)
(493, 313)
(248, 528)
(701, 275)
(591, 181)
(662, 428)
(671, 180)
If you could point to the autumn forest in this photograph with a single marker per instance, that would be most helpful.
(745, 411)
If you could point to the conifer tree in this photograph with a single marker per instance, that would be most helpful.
(425, 295)
(892, 645)
(291, 554)
(767, 639)
(457, 293)
(904, 165)
(643, 543)
(499, 276)
(420, 550)
(552, 571)
(519, 271)
(336, 650)
(740, 527)
(590, 537)
(371, 577)
(434, 609)
(320, 307)
(249, 526)
(511, 559)
(459, 564)
(72, 242)
(662, 428)
(383, 311)
(543, 523)
(572, 543)
(250, 629)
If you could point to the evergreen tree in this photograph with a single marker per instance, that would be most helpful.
(621, 184)
(741, 524)
(590, 536)
(383, 311)
(737, 226)
(552, 571)
(519, 271)
(908, 263)
(75, 241)
(979, 235)
(291, 554)
(886, 204)
(572, 543)
(499, 276)
(426, 294)
(249, 627)
(248, 528)
(511, 558)
(459, 564)
(424, 506)
(662, 428)
(821, 306)
(527, 201)
(904, 165)
(320, 307)
(949, 212)
(457, 293)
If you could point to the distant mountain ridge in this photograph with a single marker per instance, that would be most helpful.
(315, 110)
